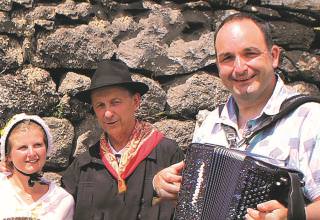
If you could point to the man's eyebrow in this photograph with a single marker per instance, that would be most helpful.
(252, 49)
(224, 54)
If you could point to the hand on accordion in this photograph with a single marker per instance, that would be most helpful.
(270, 210)
(167, 182)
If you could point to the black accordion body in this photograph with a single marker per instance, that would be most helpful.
(219, 183)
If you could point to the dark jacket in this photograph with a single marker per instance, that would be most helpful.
(95, 189)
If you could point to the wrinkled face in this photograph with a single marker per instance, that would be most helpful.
(27, 149)
(246, 65)
(115, 110)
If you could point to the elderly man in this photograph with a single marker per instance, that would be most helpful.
(113, 179)
(246, 58)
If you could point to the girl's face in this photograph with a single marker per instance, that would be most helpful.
(27, 148)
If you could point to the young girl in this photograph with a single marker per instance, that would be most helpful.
(25, 144)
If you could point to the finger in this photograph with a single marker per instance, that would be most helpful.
(254, 214)
(269, 206)
(170, 177)
(169, 182)
(166, 184)
(177, 168)
(167, 195)
(168, 190)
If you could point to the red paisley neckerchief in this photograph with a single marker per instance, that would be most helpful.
(143, 140)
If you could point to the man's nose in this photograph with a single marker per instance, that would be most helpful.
(240, 65)
(108, 113)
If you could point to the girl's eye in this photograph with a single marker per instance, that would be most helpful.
(38, 145)
(23, 148)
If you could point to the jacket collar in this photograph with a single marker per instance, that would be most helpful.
(92, 155)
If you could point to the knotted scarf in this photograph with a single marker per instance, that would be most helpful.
(142, 141)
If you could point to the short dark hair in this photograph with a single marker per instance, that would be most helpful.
(131, 91)
(262, 25)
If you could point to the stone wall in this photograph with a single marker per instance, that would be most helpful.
(49, 50)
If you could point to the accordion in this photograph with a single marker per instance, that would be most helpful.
(220, 183)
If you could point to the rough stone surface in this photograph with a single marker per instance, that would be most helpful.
(305, 88)
(303, 65)
(24, 3)
(291, 35)
(200, 91)
(153, 102)
(147, 50)
(180, 131)
(79, 47)
(10, 53)
(6, 5)
(63, 134)
(294, 4)
(54, 177)
(42, 16)
(162, 58)
(232, 3)
(70, 9)
(201, 116)
(262, 11)
(71, 108)
(72, 83)
(31, 91)
(193, 55)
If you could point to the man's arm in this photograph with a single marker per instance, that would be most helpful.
(70, 179)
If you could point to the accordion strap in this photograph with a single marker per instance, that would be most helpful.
(296, 202)
(288, 106)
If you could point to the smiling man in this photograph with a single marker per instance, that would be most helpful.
(246, 59)
(113, 179)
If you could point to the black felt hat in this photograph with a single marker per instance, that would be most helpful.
(111, 73)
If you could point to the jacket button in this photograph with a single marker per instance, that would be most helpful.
(139, 216)
(142, 200)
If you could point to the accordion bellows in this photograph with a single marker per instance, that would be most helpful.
(219, 183)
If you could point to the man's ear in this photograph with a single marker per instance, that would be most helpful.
(275, 53)
(92, 111)
(137, 101)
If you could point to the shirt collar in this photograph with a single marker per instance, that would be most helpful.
(280, 93)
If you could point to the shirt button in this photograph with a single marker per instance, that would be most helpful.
(246, 133)
(142, 200)
(139, 216)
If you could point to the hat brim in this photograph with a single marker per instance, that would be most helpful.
(139, 87)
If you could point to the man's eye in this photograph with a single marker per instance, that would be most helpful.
(226, 59)
(116, 102)
(99, 105)
(252, 54)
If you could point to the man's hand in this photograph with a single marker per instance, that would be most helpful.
(167, 182)
(270, 210)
